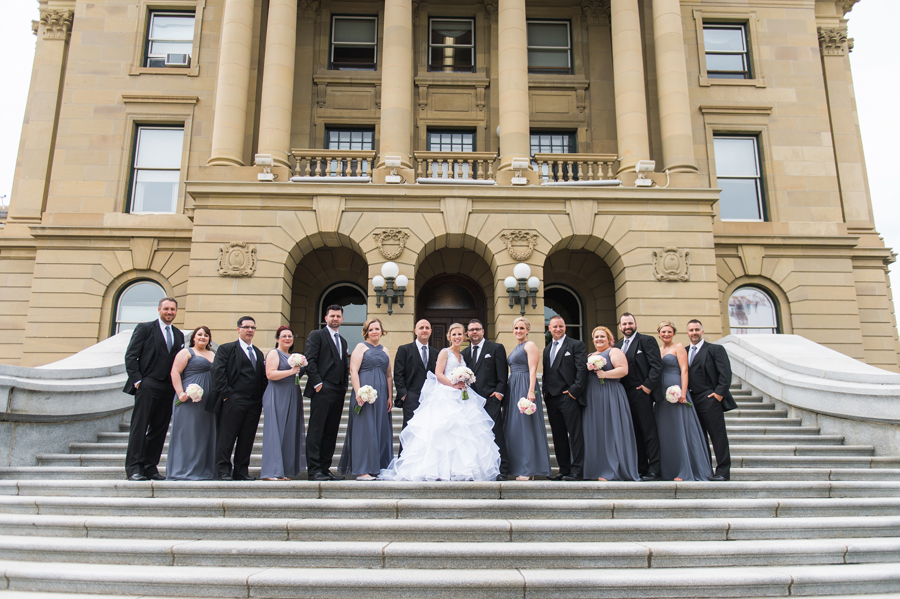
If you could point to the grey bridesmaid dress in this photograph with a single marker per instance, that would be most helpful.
(610, 450)
(284, 438)
(682, 449)
(368, 445)
(526, 436)
(192, 438)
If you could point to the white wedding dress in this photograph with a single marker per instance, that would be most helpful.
(448, 438)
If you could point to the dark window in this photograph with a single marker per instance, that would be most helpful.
(354, 43)
(549, 47)
(562, 301)
(169, 33)
(727, 56)
(156, 169)
(739, 176)
(350, 139)
(751, 311)
(451, 46)
(451, 141)
(353, 300)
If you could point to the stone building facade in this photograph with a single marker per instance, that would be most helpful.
(138, 171)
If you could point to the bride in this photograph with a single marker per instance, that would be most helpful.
(448, 438)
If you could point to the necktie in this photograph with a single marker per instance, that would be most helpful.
(425, 357)
(553, 351)
(337, 342)
(169, 341)
(474, 354)
(626, 344)
(693, 353)
(252, 355)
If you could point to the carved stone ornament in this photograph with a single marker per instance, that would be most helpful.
(237, 259)
(56, 23)
(490, 7)
(832, 41)
(597, 12)
(671, 264)
(308, 8)
(391, 242)
(520, 244)
(846, 5)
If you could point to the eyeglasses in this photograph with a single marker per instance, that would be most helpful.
(249, 328)
(475, 330)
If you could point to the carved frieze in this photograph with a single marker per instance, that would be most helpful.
(833, 41)
(237, 259)
(671, 264)
(57, 24)
(596, 11)
(520, 244)
(391, 242)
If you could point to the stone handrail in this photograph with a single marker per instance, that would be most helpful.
(313, 163)
(455, 165)
(576, 167)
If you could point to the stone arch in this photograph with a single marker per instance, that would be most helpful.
(118, 285)
(586, 274)
(773, 289)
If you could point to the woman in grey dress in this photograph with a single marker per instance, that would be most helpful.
(683, 452)
(368, 444)
(610, 451)
(192, 438)
(526, 435)
(284, 439)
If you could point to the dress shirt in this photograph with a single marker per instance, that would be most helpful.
(697, 351)
(419, 347)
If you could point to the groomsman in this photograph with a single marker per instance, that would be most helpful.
(709, 380)
(565, 370)
(488, 361)
(642, 388)
(326, 385)
(148, 363)
(412, 364)
(238, 380)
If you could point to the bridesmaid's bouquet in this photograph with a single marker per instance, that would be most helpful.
(526, 406)
(297, 360)
(193, 391)
(366, 394)
(461, 374)
(596, 362)
(674, 395)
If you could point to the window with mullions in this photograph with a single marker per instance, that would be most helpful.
(553, 142)
(549, 47)
(727, 55)
(156, 170)
(354, 43)
(451, 141)
(353, 140)
(739, 176)
(451, 46)
(169, 33)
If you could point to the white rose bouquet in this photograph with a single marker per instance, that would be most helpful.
(297, 360)
(194, 393)
(366, 394)
(526, 406)
(674, 395)
(461, 374)
(596, 362)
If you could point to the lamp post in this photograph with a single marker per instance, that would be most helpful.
(522, 286)
(390, 285)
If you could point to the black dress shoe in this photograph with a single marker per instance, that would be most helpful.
(717, 478)
(320, 477)
(334, 476)
(156, 476)
(244, 478)
(559, 476)
(502, 477)
(650, 477)
(569, 478)
(136, 477)
(226, 477)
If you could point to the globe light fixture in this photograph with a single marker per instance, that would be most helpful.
(522, 286)
(390, 286)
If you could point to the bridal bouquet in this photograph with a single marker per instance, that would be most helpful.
(596, 362)
(674, 394)
(297, 360)
(366, 394)
(461, 374)
(193, 391)
(526, 406)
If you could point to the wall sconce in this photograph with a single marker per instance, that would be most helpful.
(522, 286)
(390, 285)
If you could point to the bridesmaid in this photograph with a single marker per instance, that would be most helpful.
(368, 444)
(610, 451)
(192, 440)
(684, 454)
(526, 436)
(284, 439)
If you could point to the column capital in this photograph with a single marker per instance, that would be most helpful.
(833, 41)
(56, 23)
(308, 8)
(846, 5)
(596, 11)
(490, 7)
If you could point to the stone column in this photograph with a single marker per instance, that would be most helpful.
(278, 81)
(513, 82)
(671, 80)
(32, 177)
(628, 75)
(232, 85)
(397, 84)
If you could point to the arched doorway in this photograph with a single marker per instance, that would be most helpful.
(450, 298)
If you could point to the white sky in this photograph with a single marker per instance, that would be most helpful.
(872, 24)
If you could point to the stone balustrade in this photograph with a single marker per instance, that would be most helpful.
(313, 164)
(472, 166)
(575, 167)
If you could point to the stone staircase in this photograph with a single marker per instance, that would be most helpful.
(805, 514)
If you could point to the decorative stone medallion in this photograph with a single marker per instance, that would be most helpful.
(237, 259)
(520, 244)
(671, 264)
(391, 242)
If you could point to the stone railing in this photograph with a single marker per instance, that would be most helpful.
(557, 168)
(331, 165)
(456, 166)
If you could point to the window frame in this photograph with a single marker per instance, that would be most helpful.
(331, 42)
(726, 16)
(581, 314)
(114, 329)
(133, 168)
(149, 40)
(775, 308)
(569, 55)
(451, 130)
(432, 46)
(355, 326)
(145, 9)
(760, 178)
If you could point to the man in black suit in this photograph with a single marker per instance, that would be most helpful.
(148, 363)
(488, 361)
(412, 364)
(565, 370)
(326, 385)
(642, 388)
(238, 380)
(709, 381)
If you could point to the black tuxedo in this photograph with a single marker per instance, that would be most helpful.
(644, 368)
(409, 376)
(149, 362)
(491, 376)
(710, 372)
(567, 373)
(330, 368)
(235, 379)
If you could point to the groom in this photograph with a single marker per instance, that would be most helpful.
(488, 361)
(411, 367)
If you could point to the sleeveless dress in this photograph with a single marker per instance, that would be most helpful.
(192, 438)
(682, 448)
(284, 439)
(448, 438)
(610, 450)
(526, 436)
(368, 444)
